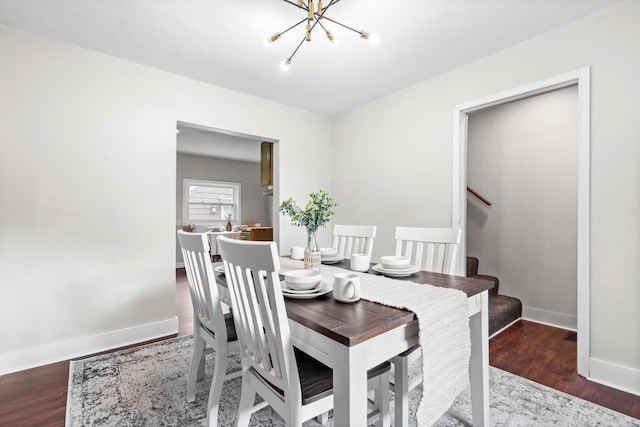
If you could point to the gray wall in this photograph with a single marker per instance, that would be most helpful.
(392, 162)
(522, 156)
(254, 206)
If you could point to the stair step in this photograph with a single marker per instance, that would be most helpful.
(502, 311)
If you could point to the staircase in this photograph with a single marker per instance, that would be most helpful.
(502, 309)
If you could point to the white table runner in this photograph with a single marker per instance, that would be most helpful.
(444, 333)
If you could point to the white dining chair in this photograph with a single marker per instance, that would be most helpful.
(294, 384)
(212, 329)
(354, 239)
(430, 249)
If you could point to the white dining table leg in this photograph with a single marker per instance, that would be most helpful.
(350, 387)
(479, 363)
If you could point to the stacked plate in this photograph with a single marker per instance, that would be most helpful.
(321, 289)
(329, 256)
(395, 266)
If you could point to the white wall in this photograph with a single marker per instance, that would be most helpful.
(403, 143)
(523, 157)
(85, 262)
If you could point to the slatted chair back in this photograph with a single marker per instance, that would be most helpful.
(354, 239)
(430, 249)
(251, 270)
(202, 282)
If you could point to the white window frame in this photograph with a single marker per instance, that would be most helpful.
(237, 187)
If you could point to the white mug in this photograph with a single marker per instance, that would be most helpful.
(297, 252)
(346, 287)
(359, 262)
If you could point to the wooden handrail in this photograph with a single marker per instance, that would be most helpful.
(478, 195)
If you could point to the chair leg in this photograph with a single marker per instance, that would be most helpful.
(322, 418)
(381, 400)
(401, 390)
(197, 364)
(292, 418)
(247, 398)
(219, 373)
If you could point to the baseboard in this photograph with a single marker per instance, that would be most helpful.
(620, 377)
(63, 350)
(505, 328)
(550, 318)
(180, 264)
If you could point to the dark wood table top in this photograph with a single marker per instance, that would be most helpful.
(353, 323)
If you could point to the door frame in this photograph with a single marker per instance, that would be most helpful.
(460, 113)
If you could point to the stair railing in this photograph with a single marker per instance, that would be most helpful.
(479, 196)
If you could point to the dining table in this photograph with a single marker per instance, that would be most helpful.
(351, 338)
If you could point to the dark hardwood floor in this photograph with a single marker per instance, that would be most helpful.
(547, 355)
(38, 396)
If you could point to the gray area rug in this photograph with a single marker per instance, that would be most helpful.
(146, 386)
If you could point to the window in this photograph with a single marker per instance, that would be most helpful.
(209, 202)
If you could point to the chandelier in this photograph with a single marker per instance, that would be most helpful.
(315, 14)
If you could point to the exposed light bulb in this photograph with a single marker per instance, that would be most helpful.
(374, 39)
(285, 65)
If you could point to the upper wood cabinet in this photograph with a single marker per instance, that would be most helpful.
(266, 163)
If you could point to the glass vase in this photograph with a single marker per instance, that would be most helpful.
(311, 252)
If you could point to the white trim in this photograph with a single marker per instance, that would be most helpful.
(551, 318)
(63, 350)
(505, 328)
(617, 376)
(460, 114)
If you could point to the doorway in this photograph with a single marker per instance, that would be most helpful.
(460, 114)
(215, 159)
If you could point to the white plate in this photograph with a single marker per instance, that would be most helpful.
(219, 269)
(291, 293)
(381, 269)
(287, 289)
(331, 260)
(395, 272)
(320, 287)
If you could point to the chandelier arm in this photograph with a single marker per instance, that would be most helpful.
(296, 49)
(331, 3)
(342, 25)
(323, 27)
(305, 7)
(293, 26)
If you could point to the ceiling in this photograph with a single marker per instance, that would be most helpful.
(221, 41)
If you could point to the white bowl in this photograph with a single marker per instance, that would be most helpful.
(394, 262)
(302, 280)
(328, 252)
